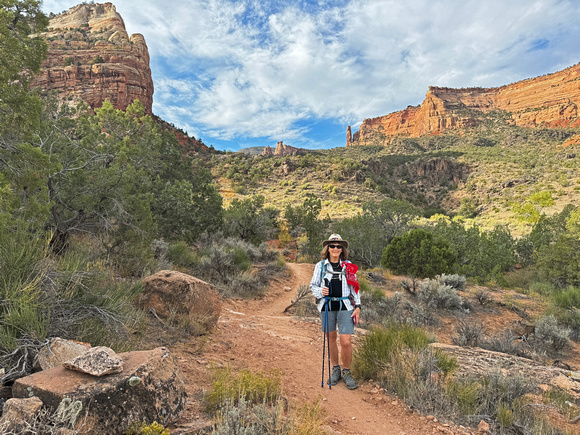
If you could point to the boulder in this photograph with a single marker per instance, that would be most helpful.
(150, 388)
(17, 411)
(58, 351)
(190, 300)
(98, 361)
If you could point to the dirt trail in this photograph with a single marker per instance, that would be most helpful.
(258, 335)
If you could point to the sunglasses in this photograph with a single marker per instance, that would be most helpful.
(335, 246)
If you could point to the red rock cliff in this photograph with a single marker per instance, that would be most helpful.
(92, 58)
(548, 101)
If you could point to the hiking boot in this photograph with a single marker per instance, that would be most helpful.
(334, 376)
(349, 380)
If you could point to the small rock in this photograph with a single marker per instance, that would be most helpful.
(59, 351)
(483, 427)
(18, 411)
(97, 361)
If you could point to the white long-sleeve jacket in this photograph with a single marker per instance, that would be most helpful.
(321, 271)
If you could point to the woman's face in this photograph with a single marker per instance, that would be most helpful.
(334, 251)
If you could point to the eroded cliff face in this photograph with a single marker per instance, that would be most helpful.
(548, 101)
(92, 58)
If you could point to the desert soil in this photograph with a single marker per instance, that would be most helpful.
(257, 335)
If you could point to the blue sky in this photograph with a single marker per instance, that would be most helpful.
(251, 73)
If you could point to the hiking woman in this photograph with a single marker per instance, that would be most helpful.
(330, 287)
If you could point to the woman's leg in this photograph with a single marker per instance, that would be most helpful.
(345, 350)
(332, 335)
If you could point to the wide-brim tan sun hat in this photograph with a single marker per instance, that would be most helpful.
(335, 238)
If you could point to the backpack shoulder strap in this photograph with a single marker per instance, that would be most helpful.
(322, 269)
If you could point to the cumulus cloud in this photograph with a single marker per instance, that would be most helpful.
(236, 70)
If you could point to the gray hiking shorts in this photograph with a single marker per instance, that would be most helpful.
(342, 317)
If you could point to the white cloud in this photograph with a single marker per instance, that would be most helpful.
(264, 69)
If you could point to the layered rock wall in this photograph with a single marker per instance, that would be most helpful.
(548, 101)
(91, 58)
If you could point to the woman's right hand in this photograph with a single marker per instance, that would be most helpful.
(325, 291)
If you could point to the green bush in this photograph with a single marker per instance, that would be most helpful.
(418, 254)
(542, 288)
(435, 294)
(567, 299)
(549, 336)
(181, 254)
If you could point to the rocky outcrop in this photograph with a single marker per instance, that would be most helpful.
(188, 300)
(477, 361)
(150, 388)
(548, 101)
(282, 150)
(91, 58)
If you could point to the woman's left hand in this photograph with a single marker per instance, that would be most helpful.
(355, 315)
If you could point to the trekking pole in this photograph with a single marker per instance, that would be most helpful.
(324, 342)
(328, 343)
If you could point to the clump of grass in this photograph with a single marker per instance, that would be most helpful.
(308, 419)
(254, 388)
(469, 333)
(396, 354)
(247, 418)
(483, 296)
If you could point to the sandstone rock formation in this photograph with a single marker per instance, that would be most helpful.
(282, 150)
(191, 300)
(58, 351)
(97, 361)
(150, 388)
(92, 58)
(548, 101)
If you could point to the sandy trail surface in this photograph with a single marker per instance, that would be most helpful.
(257, 335)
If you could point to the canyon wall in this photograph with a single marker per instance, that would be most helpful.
(548, 101)
(92, 58)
